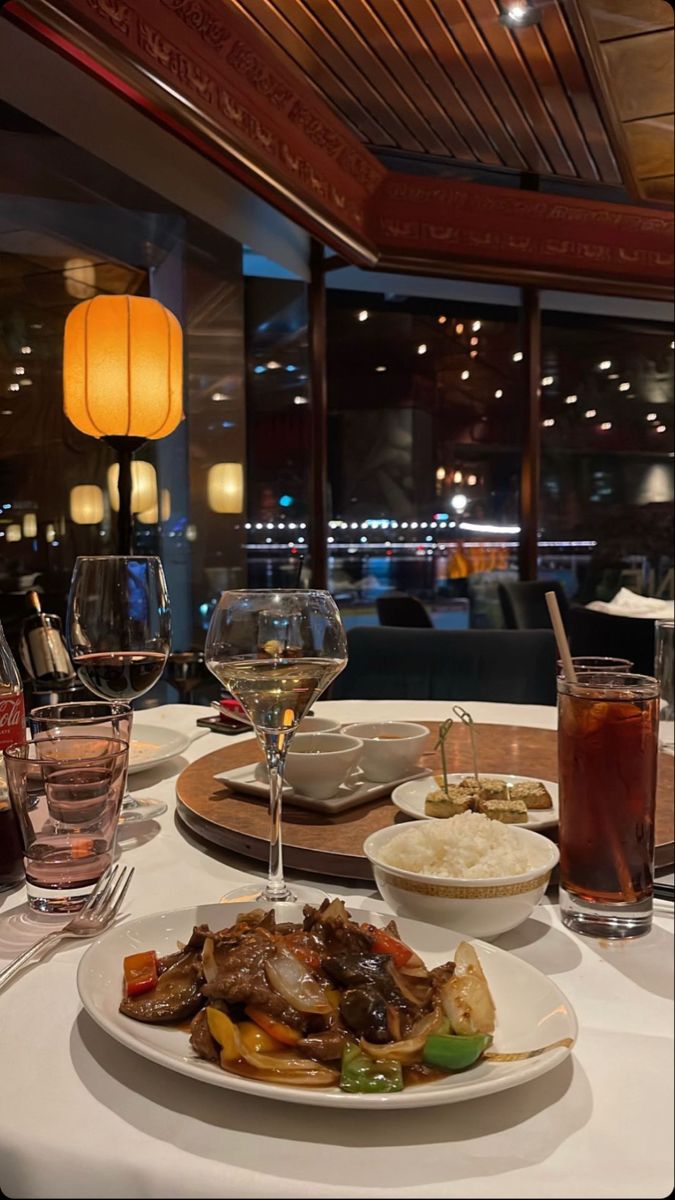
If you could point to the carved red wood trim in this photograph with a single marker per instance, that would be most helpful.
(204, 71)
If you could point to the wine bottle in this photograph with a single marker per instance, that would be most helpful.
(42, 646)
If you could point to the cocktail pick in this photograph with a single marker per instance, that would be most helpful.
(468, 720)
(443, 731)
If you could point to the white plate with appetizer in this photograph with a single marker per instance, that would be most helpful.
(154, 744)
(251, 780)
(490, 1023)
(412, 797)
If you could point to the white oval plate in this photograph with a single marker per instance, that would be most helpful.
(410, 797)
(154, 744)
(531, 1010)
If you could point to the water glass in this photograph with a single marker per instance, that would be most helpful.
(66, 794)
(587, 662)
(607, 752)
(664, 673)
(100, 718)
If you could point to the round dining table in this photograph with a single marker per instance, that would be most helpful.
(83, 1116)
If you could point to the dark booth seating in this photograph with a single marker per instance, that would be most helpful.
(524, 604)
(592, 632)
(403, 611)
(511, 666)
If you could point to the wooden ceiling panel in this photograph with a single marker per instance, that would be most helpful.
(630, 43)
(308, 47)
(651, 145)
(439, 86)
(445, 78)
(626, 18)
(641, 72)
(660, 189)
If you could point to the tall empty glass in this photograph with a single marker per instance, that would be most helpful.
(276, 652)
(607, 750)
(663, 669)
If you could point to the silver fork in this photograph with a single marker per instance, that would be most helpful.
(101, 908)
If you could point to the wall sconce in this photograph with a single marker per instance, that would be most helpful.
(143, 495)
(13, 533)
(123, 382)
(150, 516)
(29, 525)
(79, 277)
(225, 488)
(50, 533)
(86, 504)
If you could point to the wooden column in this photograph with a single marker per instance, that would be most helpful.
(318, 525)
(531, 461)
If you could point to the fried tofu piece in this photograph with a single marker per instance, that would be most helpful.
(509, 812)
(470, 783)
(448, 803)
(466, 786)
(533, 793)
(493, 789)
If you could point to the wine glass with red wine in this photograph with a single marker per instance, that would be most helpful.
(119, 633)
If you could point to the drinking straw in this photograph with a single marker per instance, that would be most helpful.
(468, 720)
(443, 731)
(561, 637)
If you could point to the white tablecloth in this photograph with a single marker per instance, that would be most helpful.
(82, 1116)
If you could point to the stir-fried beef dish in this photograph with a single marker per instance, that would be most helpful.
(328, 1002)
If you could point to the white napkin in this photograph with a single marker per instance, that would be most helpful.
(630, 604)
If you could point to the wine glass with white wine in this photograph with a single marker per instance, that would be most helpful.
(276, 651)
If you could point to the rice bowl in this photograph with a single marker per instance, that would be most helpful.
(466, 878)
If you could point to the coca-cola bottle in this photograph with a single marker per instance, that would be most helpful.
(12, 729)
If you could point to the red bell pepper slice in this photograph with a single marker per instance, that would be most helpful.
(386, 943)
(140, 972)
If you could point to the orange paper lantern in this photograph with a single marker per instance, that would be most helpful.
(123, 368)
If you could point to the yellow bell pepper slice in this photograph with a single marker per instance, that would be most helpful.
(225, 1033)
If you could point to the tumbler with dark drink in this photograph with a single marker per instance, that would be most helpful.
(607, 748)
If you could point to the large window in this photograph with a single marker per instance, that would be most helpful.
(425, 430)
(607, 456)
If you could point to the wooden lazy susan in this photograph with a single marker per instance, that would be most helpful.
(333, 845)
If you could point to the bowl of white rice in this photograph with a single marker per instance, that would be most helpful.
(468, 873)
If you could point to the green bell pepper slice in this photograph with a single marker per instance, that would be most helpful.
(360, 1073)
(453, 1053)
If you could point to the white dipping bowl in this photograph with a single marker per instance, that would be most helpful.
(481, 908)
(317, 763)
(318, 725)
(391, 749)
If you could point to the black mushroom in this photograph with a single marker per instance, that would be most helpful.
(365, 1012)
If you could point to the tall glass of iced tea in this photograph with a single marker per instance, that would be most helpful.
(607, 750)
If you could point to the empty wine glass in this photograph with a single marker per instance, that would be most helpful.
(276, 651)
(119, 634)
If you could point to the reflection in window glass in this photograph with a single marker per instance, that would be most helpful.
(607, 457)
(278, 415)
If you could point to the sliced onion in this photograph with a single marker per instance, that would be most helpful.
(209, 960)
(404, 987)
(320, 1076)
(291, 979)
(414, 972)
(409, 1050)
(294, 1063)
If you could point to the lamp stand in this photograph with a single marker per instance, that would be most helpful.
(124, 448)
